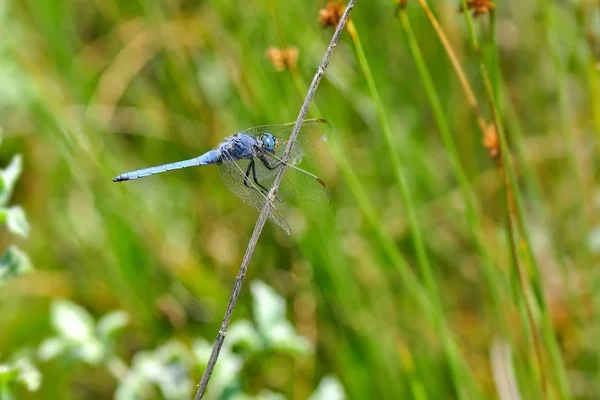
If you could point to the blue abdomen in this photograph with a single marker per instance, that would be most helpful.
(210, 157)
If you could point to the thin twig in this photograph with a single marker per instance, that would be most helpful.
(265, 212)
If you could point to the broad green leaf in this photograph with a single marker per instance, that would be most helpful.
(167, 367)
(268, 395)
(29, 375)
(8, 178)
(202, 350)
(111, 323)
(20, 370)
(594, 240)
(131, 387)
(13, 263)
(329, 389)
(72, 321)
(225, 376)
(8, 374)
(91, 351)
(16, 221)
(52, 347)
(283, 336)
(268, 307)
(263, 395)
(243, 332)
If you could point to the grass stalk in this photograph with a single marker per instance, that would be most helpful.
(413, 287)
(512, 193)
(516, 214)
(457, 365)
(473, 219)
(399, 173)
(460, 74)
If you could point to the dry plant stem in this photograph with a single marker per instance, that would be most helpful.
(501, 164)
(265, 212)
(464, 185)
(460, 73)
(459, 369)
(514, 215)
(510, 206)
(512, 202)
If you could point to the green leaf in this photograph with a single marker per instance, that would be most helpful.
(9, 177)
(72, 321)
(13, 263)
(283, 336)
(29, 375)
(329, 389)
(243, 332)
(91, 351)
(111, 323)
(20, 370)
(225, 376)
(594, 240)
(262, 395)
(132, 386)
(268, 395)
(52, 347)
(8, 374)
(202, 350)
(16, 221)
(167, 367)
(268, 307)
(269, 312)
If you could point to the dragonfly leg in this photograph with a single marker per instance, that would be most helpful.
(247, 182)
(258, 183)
(247, 177)
(267, 163)
(256, 179)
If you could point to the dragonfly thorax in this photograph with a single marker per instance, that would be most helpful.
(237, 146)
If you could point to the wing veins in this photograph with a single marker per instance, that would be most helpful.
(273, 211)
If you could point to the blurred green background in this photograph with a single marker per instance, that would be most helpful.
(411, 283)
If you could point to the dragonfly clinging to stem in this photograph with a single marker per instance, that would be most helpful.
(249, 161)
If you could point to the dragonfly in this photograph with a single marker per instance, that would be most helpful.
(249, 161)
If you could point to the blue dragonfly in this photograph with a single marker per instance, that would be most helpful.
(249, 161)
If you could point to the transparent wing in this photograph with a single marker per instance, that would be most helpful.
(233, 174)
(310, 135)
(296, 182)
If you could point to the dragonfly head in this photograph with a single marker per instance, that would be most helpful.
(269, 142)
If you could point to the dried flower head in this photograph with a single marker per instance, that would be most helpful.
(283, 59)
(480, 7)
(331, 14)
(401, 4)
(491, 141)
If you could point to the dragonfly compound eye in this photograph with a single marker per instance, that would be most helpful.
(268, 142)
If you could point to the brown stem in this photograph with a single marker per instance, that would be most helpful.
(262, 218)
